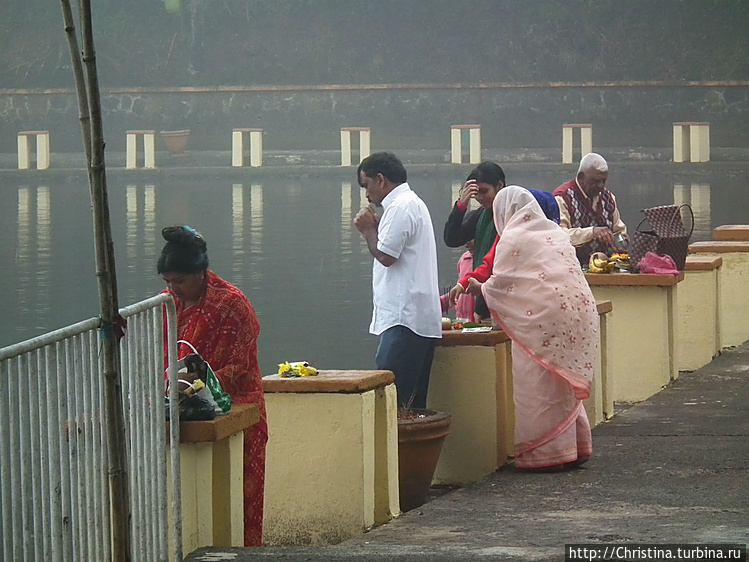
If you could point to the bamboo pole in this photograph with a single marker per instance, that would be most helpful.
(75, 60)
(89, 103)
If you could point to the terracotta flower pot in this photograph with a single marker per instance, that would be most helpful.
(176, 141)
(421, 434)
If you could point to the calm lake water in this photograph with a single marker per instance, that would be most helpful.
(287, 241)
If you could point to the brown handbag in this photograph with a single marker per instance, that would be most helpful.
(667, 237)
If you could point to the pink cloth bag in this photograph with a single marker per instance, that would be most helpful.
(662, 264)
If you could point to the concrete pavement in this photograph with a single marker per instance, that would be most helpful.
(671, 469)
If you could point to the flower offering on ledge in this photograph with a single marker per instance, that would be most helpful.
(296, 369)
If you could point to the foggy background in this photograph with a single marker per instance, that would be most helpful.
(301, 69)
(168, 43)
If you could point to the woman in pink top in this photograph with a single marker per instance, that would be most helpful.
(464, 303)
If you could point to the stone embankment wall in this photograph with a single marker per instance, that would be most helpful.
(401, 116)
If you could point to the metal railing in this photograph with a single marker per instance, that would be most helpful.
(54, 488)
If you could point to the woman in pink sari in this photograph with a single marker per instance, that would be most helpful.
(539, 296)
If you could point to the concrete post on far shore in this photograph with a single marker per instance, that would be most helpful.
(474, 143)
(149, 149)
(255, 140)
(42, 149)
(586, 140)
(692, 142)
(364, 143)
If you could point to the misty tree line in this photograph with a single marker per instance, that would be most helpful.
(167, 43)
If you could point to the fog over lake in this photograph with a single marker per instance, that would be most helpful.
(286, 240)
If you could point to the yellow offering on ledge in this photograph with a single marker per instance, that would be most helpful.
(601, 263)
(296, 369)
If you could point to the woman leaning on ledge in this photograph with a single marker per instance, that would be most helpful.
(539, 296)
(219, 321)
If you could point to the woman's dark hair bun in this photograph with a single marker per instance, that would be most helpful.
(185, 235)
(185, 251)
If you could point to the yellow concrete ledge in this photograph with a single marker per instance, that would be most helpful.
(699, 312)
(643, 331)
(733, 282)
(212, 476)
(455, 338)
(329, 381)
(471, 378)
(239, 418)
(604, 306)
(332, 456)
(633, 279)
(600, 406)
(719, 247)
(731, 232)
(696, 262)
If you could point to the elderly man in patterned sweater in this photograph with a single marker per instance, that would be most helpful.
(588, 210)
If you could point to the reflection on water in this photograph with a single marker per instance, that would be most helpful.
(150, 228)
(290, 245)
(44, 245)
(141, 230)
(33, 257)
(24, 247)
(347, 215)
(697, 196)
(455, 191)
(131, 238)
(237, 230)
(256, 223)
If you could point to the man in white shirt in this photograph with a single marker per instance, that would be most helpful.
(588, 211)
(405, 292)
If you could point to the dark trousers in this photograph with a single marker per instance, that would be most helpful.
(409, 356)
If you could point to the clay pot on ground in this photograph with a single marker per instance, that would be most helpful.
(176, 141)
(421, 433)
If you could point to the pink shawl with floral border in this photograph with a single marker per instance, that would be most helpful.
(538, 293)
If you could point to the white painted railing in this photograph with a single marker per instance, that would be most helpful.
(54, 489)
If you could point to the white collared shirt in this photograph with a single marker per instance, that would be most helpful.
(407, 292)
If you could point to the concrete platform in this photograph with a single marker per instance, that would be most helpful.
(671, 469)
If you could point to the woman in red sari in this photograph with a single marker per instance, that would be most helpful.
(539, 296)
(219, 321)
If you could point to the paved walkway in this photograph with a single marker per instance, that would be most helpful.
(671, 469)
